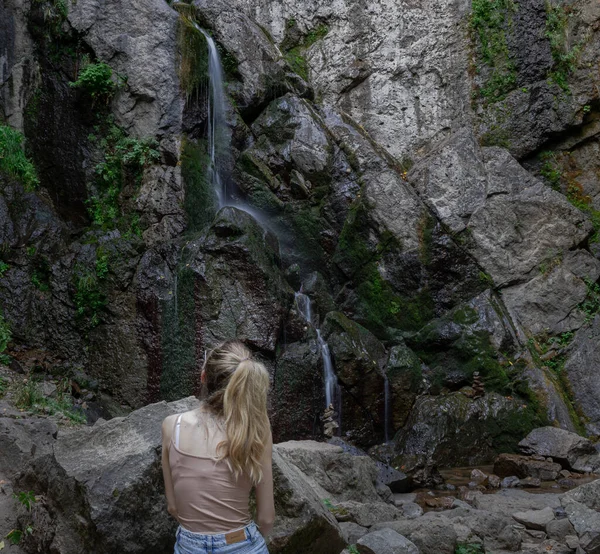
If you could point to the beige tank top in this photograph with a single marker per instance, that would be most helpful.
(208, 497)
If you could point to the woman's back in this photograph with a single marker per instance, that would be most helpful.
(209, 498)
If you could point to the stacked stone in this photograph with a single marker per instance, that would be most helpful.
(478, 386)
(330, 425)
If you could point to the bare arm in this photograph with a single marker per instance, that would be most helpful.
(265, 506)
(167, 429)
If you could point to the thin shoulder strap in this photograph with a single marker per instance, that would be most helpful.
(177, 427)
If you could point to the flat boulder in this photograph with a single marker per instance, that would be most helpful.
(568, 449)
(535, 519)
(385, 541)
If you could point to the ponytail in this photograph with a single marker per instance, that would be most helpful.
(237, 391)
(246, 421)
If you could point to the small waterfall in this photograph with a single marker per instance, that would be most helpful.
(217, 130)
(333, 392)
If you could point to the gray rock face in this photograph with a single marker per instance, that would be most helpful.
(385, 541)
(434, 436)
(569, 449)
(22, 441)
(583, 370)
(140, 42)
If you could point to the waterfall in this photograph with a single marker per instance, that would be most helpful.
(217, 129)
(333, 392)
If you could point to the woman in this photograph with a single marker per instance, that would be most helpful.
(212, 457)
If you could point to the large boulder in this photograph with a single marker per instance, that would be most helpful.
(102, 486)
(569, 449)
(582, 505)
(385, 541)
(453, 430)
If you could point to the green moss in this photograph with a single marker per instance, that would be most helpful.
(13, 161)
(380, 305)
(490, 20)
(193, 56)
(295, 55)
(200, 202)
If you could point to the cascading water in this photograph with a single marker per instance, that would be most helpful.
(217, 129)
(333, 391)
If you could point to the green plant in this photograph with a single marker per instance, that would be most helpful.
(28, 396)
(26, 498)
(352, 549)
(295, 55)
(5, 337)
(124, 160)
(590, 306)
(15, 536)
(13, 160)
(96, 79)
(4, 267)
(564, 56)
(89, 299)
(550, 169)
(101, 263)
(488, 24)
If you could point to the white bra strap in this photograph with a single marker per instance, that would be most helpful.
(177, 425)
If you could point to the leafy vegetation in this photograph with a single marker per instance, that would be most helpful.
(490, 20)
(550, 170)
(4, 267)
(28, 396)
(295, 55)
(13, 160)
(26, 499)
(565, 56)
(591, 304)
(124, 160)
(96, 79)
(352, 549)
(5, 337)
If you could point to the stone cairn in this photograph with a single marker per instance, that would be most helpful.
(330, 425)
(478, 386)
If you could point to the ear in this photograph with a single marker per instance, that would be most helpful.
(203, 377)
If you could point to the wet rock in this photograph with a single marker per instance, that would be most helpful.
(523, 466)
(531, 482)
(404, 372)
(479, 476)
(404, 498)
(385, 541)
(583, 368)
(358, 358)
(588, 494)
(535, 519)
(298, 382)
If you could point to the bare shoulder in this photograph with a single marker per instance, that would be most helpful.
(167, 425)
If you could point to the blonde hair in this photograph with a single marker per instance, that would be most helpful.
(237, 389)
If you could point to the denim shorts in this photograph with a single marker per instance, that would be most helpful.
(197, 543)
